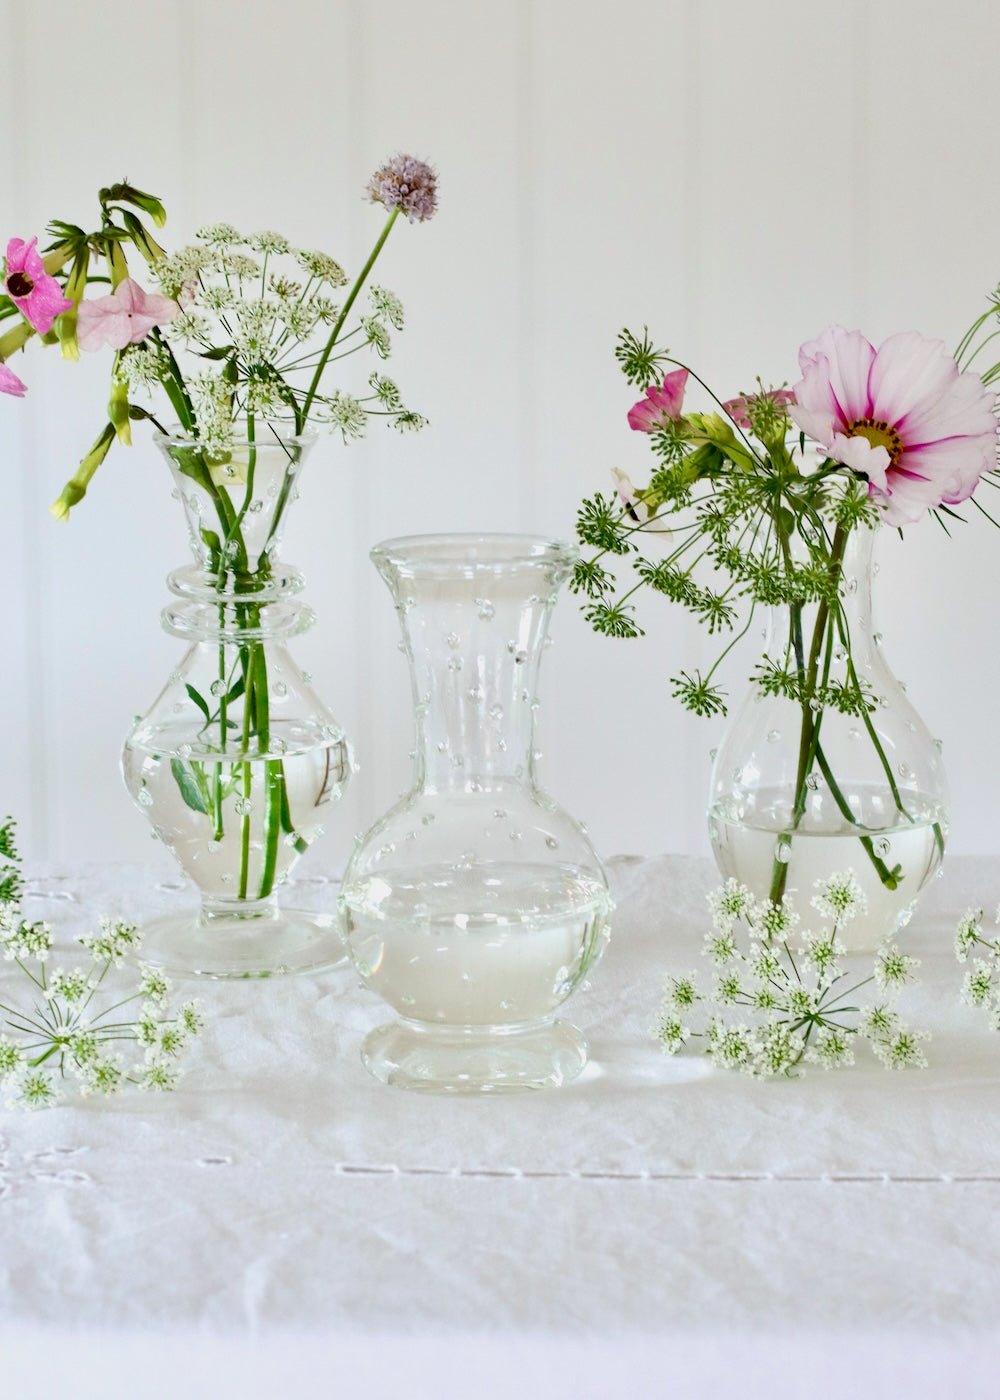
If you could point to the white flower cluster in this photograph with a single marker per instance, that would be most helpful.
(796, 1004)
(981, 987)
(258, 320)
(64, 1035)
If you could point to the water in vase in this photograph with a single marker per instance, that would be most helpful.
(487, 946)
(747, 850)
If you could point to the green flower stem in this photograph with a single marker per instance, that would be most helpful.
(338, 327)
(808, 739)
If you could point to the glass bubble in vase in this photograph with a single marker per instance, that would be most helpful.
(237, 758)
(827, 767)
(475, 905)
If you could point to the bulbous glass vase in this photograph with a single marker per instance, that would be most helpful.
(237, 757)
(826, 766)
(476, 905)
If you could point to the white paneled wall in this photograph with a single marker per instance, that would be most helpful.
(735, 176)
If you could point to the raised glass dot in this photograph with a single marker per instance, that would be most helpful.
(939, 745)
(475, 692)
(495, 712)
(773, 735)
(881, 847)
(243, 806)
(812, 782)
(520, 657)
(427, 818)
(455, 663)
(218, 687)
(713, 754)
(279, 689)
(854, 733)
(552, 843)
(453, 640)
(145, 797)
(500, 814)
(442, 746)
(515, 836)
(904, 770)
(486, 609)
(783, 850)
(256, 507)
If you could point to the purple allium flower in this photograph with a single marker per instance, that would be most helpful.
(405, 183)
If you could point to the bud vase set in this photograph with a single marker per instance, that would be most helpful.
(475, 906)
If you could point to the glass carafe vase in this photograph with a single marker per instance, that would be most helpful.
(476, 905)
(826, 766)
(237, 758)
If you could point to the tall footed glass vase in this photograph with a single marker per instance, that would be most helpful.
(826, 766)
(476, 905)
(237, 757)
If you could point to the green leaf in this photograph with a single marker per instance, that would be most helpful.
(188, 785)
(200, 701)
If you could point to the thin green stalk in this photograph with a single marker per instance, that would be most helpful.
(352, 297)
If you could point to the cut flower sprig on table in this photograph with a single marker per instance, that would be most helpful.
(783, 997)
(981, 986)
(64, 1029)
(769, 501)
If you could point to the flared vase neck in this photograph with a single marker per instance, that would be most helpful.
(474, 611)
(236, 503)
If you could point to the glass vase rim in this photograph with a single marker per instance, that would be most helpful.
(176, 436)
(475, 550)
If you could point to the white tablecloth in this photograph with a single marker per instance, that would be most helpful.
(285, 1225)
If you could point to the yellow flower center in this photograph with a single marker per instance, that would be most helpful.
(879, 434)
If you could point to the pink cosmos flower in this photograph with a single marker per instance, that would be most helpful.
(10, 384)
(739, 408)
(660, 407)
(904, 416)
(123, 318)
(36, 295)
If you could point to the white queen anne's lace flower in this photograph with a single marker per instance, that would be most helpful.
(781, 1006)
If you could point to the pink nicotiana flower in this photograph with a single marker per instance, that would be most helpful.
(660, 407)
(922, 431)
(36, 295)
(739, 408)
(10, 384)
(123, 318)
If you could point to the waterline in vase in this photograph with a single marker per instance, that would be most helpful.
(746, 850)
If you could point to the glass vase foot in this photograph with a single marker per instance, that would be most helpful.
(478, 1060)
(276, 944)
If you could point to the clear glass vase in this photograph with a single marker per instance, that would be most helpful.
(237, 757)
(476, 905)
(827, 767)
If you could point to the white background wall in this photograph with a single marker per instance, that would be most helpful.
(735, 175)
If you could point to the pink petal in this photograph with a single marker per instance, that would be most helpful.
(953, 466)
(816, 425)
(858, 454)
(10, 384)
(910, 374)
